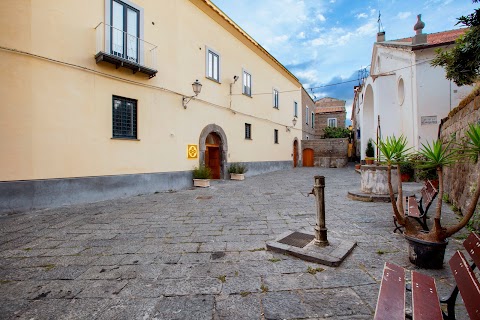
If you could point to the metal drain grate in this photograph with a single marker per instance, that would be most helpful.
(204, 197)
(297, 239)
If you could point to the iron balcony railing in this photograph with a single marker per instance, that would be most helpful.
(118, 47)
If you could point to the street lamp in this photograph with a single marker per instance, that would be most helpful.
(197, 88)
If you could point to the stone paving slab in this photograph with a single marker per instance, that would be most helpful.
(200, 254)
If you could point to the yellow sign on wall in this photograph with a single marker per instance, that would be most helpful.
(192, 151)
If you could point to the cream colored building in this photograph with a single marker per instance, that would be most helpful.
(94, 99)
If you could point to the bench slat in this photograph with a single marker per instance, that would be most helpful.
(425, 302)
(413, 207)
(467, 283)
(391, 298)
(472, 244)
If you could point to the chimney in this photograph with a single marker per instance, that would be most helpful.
(381, 36)
(420, 37)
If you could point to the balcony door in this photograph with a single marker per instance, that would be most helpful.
(125, 31)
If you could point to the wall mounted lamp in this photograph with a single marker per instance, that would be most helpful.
(197, 88)
(294, 122)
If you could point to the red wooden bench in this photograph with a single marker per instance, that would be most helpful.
(418, 209)
(425, 301)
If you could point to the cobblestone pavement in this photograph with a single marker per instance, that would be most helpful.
(199, 254)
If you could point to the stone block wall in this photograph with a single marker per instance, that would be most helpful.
(460, 180)
(328, 153)
(321, 121)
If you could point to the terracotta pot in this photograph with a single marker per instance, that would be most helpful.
(369, 161)
(405, 177)
(357, 166)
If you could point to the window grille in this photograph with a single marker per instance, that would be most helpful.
(124, 118)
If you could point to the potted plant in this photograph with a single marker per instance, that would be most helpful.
(423, 174)
(406, 171)
(202, 176)
(369, 152)
(237, 171)
(427, 249)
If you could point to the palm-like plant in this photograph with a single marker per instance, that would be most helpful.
(394, 152)
(437, 155)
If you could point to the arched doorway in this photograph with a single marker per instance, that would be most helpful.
(214, 150)
(368, 125)
(308, 157)
(212, 154)
(295, 153)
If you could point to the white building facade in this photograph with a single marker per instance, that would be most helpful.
(404, 94)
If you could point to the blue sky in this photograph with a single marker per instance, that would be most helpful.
(323, 42)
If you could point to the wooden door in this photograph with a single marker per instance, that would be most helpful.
(308, 158)
(295, 153)
(213, 161)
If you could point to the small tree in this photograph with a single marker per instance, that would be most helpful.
(369, 151)
(462, 63)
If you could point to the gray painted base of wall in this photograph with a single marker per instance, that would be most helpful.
(20, 196)
(256, 168)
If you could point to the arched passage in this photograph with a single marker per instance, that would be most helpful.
(214, 150)
(368, 127)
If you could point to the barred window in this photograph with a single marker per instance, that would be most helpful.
(248, 131)
(275, 136)
(124, 118)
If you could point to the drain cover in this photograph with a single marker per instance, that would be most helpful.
(204, 197)
(297, 239)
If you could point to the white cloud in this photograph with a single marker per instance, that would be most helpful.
(301, 35)
(310, 76)
(321, 17)
(404, 15)
(361, 15)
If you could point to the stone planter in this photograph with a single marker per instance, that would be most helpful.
(202, 183)
(237, 176)
(375, 179)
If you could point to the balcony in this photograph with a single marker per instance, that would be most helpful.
(121, 49)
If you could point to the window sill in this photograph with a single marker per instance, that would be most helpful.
(276, 108)
(249, 139)
(128, 139)
(214, 80)
(246, 95)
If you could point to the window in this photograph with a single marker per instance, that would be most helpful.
(124, 118)
(306, 115)
(248, 131)
(275, 98)
(275, 135)
(332, 122)
(247, 83)
(213, 65)
(313, 120)
(295, 109)
(125, 30)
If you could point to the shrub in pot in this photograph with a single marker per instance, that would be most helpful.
(369, 152)
(406, 171)
(202, 176)
(427, 249)
(237, 171)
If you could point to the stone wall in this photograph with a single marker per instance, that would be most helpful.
(328, 153)
(321, 121)
(460, 180)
